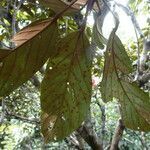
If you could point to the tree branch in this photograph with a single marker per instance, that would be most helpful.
(88, 134)
(117, 135)
(23, 118)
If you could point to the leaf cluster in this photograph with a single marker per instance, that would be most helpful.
(66, 88)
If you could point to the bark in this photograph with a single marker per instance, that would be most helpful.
(117, 136)
(103, 119)
(35, 80)
(80, 140)
(88, 134)
(72, 142)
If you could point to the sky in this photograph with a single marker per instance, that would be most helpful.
(126, 30)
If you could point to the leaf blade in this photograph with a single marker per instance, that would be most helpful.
(134, 102)
(68, 99)
(58, 6)
(137, 104)
(29, 56)
(116, 60)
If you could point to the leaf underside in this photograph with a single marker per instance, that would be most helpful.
(35, 44)
(58, 6)
(4, 53)
(135, 104)
(116, 61)
(98, 37)
(135, 107)
(66, 88)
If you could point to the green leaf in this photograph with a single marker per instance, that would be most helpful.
(98, 38)
(116, 60)
(4, 53)
(135, 107)
(135, 104)
(58, 6)
(35, 44)
(66, 88)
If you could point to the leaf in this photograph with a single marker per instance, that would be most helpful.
(98, 38)
(135, 104)
(135, 107)
(58, 6)
(66, 88)
(4, 53)
(35, 44)
(116, 60)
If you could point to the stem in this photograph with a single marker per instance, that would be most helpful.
(117, 135)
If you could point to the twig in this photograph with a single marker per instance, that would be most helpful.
(23, 118)
(35, 81)
(104, 9)
(87, 132)
(117, 135)
(144, 56)
(103, 118)
(73, 142)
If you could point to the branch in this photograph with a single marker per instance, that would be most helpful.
(73, 142)
(35, 81)
(23, 118)
(103, 119)
(144, 55)
(117, 135)
(80, 140)
(88, 134)
(104, 9)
